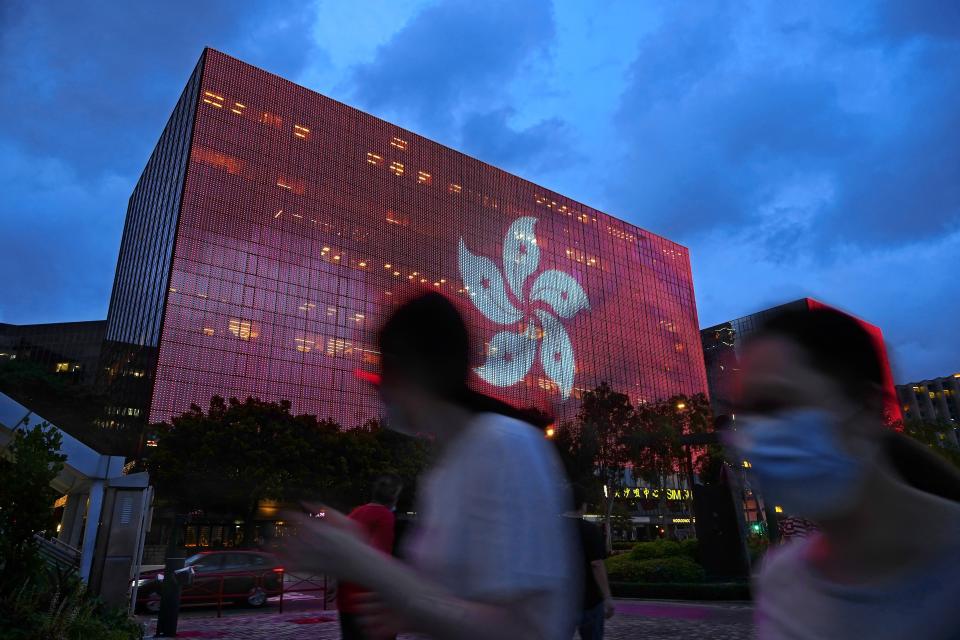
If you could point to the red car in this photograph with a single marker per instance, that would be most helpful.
(243, 577)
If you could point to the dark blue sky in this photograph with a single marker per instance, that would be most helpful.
(797, 150)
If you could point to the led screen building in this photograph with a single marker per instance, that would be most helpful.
(274, 228)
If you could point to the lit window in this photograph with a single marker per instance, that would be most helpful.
(307, 306)
(243, 329)
(339, 348)
(238, 108)
(455, 188)
(396, 168)
(396, 218)
(301, 132)
(388, 266)
(424, 178)
(213, 99)
(296, 186)
(373, 158)
(208, 331)
(362, 265)
(62, 367)
(399, 144)
(778, 509)
(304, 345)
(216, 159)
(271, 119)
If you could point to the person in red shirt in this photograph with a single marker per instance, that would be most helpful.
(376, 523)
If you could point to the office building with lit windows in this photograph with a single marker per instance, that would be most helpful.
(935, 400)
(71, 350)
(273, 229)
(721, 349)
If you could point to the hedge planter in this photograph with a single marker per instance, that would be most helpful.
(682, 591)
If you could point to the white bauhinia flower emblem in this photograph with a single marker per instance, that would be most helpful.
(536, 316)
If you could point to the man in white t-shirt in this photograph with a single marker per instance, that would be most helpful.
(492, 556)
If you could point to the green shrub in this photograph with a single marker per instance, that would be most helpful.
(625, 568)
(690, 548)
(656, 549)
(757, 545)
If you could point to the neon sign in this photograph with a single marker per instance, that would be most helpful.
(646, 493)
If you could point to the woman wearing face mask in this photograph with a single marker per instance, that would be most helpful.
(885, 562)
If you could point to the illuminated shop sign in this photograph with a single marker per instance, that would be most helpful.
(646, 493)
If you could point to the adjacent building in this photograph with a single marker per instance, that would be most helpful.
(721, 348)
(68, 349)
(274, 228)
(936, 400)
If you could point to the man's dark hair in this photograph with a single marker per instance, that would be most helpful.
(385, 488)
(426, 341)
(837, 345)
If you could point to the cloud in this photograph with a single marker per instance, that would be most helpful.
(85, 91)
(540, 147)
(451, 58)
(901, 289)
(725, 112)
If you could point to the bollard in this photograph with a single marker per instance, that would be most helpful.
(175, 577)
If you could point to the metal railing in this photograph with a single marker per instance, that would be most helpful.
(307, 582)
(213, 589)
(57, 552)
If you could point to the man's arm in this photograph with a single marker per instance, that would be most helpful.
(429, 609)
(599, 570)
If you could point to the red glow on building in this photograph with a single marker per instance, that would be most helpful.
(303, 222)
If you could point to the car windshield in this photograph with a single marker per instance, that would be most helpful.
(193, 559)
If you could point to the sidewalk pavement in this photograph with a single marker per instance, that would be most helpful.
(635, 619)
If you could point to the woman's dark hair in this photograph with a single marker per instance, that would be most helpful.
(426, 341)
(837, 345)
(385, 488)
(920, 467)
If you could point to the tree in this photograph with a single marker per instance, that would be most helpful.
(605, 418)
(237, 454)
(939, 436)
(30, 463)
(657, 445)
(37, 600)
(367, 451)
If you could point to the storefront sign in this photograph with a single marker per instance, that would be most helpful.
(646, 493)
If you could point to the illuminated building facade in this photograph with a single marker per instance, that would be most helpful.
(722, 342)
(936, 400)
(274, 229)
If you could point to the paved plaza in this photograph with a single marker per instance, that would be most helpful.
(643, 620)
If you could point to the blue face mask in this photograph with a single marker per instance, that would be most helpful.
(799, 462)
